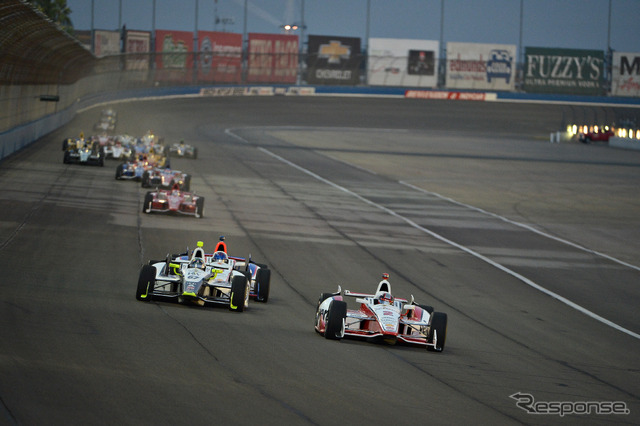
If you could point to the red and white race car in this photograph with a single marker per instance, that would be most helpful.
(381, 318)
(173, 201)
(165, 178)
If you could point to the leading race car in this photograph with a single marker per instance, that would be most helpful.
(203, 279)
(381, 317)
(173, 200)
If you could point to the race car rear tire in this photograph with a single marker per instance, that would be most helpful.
(186, 185)
(238, 293)
(263, 279)
(144, 181)
(334, 329)
(195, 153)
(146, 283)
(200, 207)
(439, 325)
(119, 171)
(65, 159)
(146, 206)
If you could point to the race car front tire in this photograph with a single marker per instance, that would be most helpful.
(336, 315)
(146, 206)
(238, 293)
(146, 283)
(144, 182)
(200, 207)
(439, 326)
(119, 171)
(263, 279)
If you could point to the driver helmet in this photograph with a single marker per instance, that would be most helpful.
(220, 257)
(197, 262)
(385, 298)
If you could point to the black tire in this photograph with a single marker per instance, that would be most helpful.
(335, 320)
(146, 283)
(119, 171)
(439, 325)
(200, 207)
(65, 159)
(263, 281)
(146, 205)
(65, 143)
(186, 184)
(195, 153)
(238, 293)
(144, 182)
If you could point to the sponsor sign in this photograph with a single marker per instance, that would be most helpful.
(137, 45)
(402, 62)
(625, 74)
(106, 43)
(566, 71)
(219, 56)
(481, 66)
(460, 96)
(333, 60)
(173, 60)
(273, 58)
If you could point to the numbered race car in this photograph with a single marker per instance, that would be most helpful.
(183, 150)
(82, 151)
(173, 200)
(381, 318)
(201, 279)
(119, 148)
(165, 179)
(133, 170)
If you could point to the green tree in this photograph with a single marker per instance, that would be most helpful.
(57, 11)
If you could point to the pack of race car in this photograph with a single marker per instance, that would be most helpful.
(380, 317)
(205, 279)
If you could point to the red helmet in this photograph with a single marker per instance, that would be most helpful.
(386, 298)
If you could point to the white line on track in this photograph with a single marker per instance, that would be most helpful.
(459, 246)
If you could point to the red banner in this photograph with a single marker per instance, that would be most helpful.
(174, 61)
(219, 57)
(273, 58)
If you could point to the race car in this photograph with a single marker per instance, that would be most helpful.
(201, 279)
(82, 151)
(165, 178)
(596, 135)
(173, 201)
(380, 318)
(183, 150)
(133, 170)
(118, 150)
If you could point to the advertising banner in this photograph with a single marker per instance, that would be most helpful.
(402, 62)
(173, 60)
(273, 58)
(333, 60)
(481, 66)
(106, 43)
(564, 71)
(137, 45)
(625, 74)
(219, 57)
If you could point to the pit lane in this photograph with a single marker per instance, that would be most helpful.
(285, 180)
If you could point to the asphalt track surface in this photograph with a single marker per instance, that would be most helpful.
(531, 248)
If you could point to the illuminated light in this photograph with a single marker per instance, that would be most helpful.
(630, 133)
(638, 134)
(574, 129)
(287, 27)
(595, 129)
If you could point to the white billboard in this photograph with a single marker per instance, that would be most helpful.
(402, 62)
(625, 74)
(481, 66)
(106, 43)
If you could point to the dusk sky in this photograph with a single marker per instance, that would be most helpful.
(580, 24)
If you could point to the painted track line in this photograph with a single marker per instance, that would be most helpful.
(465, 249)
